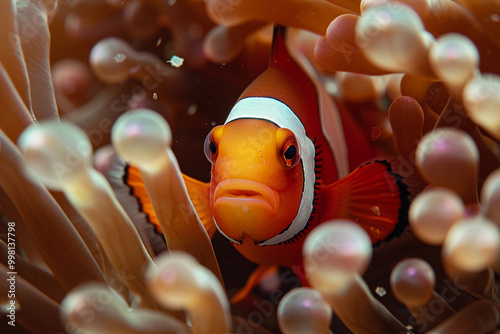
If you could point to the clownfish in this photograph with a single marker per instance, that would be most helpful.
(278, 171)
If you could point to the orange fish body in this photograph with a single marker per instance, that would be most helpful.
(276, 173)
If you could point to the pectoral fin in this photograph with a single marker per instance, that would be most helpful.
(373, 196)
(199, 193)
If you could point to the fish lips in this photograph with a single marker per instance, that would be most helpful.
(246, 193)
(244, 207)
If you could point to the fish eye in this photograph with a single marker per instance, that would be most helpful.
(288, 147)
(290, 152)
(210, 148)
(211, 143)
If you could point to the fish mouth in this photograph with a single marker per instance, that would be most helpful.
(247, 193)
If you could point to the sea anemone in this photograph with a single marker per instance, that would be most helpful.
(83, 82)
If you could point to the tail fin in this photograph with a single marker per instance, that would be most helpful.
(374, 197)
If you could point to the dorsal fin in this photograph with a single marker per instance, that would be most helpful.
(279, 53)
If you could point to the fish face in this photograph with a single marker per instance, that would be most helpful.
(257, 179)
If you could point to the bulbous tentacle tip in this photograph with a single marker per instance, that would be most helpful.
(57, 152)
(472, 244)
(304, 310)
(454, 58)
(173, 279)
(334, 252)
(490, 196)
(481, 99)
(400, 42)
(433, 212)
(86, 297)
(438, 155)
(111, 60)
(178, 281)
(141, 138)
(412, 281)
